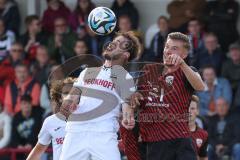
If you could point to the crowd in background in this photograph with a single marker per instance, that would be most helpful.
(27, 59)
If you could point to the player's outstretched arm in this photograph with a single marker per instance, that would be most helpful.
(37, 152)
(203, 158)
(193, 77)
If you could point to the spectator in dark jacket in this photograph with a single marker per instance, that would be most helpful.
(221, 18)
(26, 124)
(33, 36)
(95, 42)
(78, 19)
(56, 8)
(158, 41)
(61, 43)
(126, 7)
(41, 67)
(231, 68)
(211, 54)
(223, 133)
(196, 36)
(10, 14)
(23, 84)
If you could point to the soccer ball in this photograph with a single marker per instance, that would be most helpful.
(102, 20)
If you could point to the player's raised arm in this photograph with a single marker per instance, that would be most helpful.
(37, 151)
(193, 77)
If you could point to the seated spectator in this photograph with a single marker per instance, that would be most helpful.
(231, 68)
(78, 19)
(81, 48)
(211, 54)
(33, 36)
(41, 68)
(26, 124)
(61, 43)
(83, 59)
(223, 133)
(56, 9)
(7, 38)
(16, 55)
(181, 11)
(54, 74)
(196, 37)
(9, 12)
(215, 87)
(126, 7)
(22, 85)
(95, 42)
(125, 25)
(221, 18)
(5, 128)
(158, 41)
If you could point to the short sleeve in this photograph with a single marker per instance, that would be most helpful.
(187, 84)
(80, 81)
(44, 136)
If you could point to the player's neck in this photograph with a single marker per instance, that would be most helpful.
(192, 126)
(108, 63)
(111, 63)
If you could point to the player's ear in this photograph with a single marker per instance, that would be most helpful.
(185, 54)
(126, 55)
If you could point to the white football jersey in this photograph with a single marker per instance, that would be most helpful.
(53, 130)
(102, 84)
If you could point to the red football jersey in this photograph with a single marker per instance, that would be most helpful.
(164, 112)
(200, 141)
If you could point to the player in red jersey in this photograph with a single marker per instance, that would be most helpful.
(198, 135)
(167, 90)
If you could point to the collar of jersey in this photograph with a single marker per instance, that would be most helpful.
(106, 68)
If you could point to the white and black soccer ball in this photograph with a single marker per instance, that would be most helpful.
(102, 20)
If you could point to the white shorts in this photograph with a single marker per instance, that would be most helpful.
(90, 146)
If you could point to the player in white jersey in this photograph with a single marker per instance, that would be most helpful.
(98, 96)
(53, 128)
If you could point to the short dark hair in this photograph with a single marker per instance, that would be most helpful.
(181, 37)
(136, 48)
(208, 34)
(26, 98)
(162, 17)
(194, 19)
(30, 19)
(21, 64)
(207, 66)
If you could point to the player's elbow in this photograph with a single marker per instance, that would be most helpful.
(200, 86)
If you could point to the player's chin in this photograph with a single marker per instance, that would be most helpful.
(107, 56)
